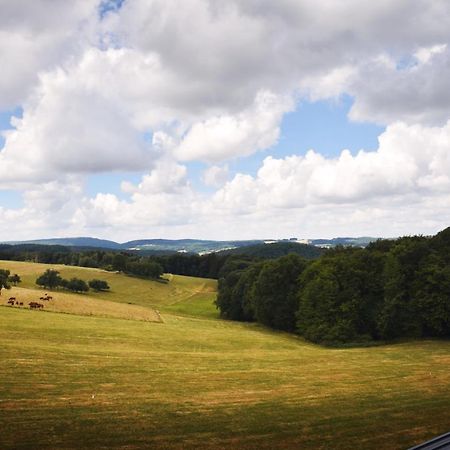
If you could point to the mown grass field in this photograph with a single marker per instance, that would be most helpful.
(128, 290)
(69, 381)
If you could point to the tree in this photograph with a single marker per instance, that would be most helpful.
(400, 315)
(235, 293)
(14, 279)
(275, 299)
(119, 262)
(98, 285)
(77, 285)
(50, 279)
(4, 280)
(340, 297)
(432, 296)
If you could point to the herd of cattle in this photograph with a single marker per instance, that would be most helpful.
(33, 305)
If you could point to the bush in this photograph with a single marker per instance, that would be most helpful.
(98, 285)
(77, 285)
(50, 279)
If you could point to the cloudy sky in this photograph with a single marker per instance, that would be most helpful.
(224, 120)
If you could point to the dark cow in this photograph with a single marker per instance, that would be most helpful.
(35, 305)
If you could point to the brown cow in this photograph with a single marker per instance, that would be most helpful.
(35, 305)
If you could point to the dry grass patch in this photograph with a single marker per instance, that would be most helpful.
(124, 289)
(80, 304)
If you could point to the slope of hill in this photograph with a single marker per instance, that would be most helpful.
(90, 382)
(346, 241)
(125, 290)
(276, 250)
(72, 242)
(161, 246)
(185, 245)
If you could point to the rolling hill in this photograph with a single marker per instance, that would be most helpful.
(276, 250)
(197, 382)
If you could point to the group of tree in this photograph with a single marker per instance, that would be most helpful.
(51, 279)
(6, 279)
(139, 263)
(391, 289)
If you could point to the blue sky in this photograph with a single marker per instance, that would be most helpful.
(195, 119)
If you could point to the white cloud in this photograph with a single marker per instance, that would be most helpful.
(417, 93)
(410, 160)
(36, 36)
(210, 80)
(73, 125)
(401, 188)
(222, 137)
(215, 176)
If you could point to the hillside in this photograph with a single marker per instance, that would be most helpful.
(150, 246)
(126, 290)
(164, 246)
(277, 249)
(196, 382)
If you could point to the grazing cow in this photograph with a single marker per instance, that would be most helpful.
(12, 298)
(21, 304)
(11, 302)
(17, 303)
(35, 305)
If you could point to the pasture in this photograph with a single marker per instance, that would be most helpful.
(124, 289)
(71, 381)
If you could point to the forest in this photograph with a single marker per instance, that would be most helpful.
(390, 290)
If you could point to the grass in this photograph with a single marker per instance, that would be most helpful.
(71, 381)
(79, 304)
(124, 289)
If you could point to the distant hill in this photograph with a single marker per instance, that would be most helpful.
(72, 242)
(277, 249)
(185, 245)
(346, 241)
(200, 246)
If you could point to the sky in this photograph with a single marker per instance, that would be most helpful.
(245, 119)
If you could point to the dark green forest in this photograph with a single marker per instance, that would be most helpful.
(389, 290)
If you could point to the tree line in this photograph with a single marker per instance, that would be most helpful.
(139, 263)
(130, 263)
(391, 289)
(51, 279)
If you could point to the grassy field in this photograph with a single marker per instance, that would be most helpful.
(71, 381)
(129, 290)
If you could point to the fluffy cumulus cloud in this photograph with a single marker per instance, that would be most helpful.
(147, 86)
(216, 176)
(226, 136)
(37, 36)
(410, 161)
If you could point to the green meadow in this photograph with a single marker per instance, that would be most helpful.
(71, 379)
